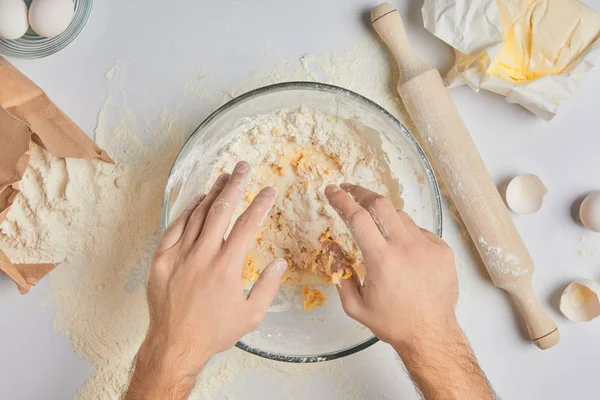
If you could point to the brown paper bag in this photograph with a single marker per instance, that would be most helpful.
(26, 114)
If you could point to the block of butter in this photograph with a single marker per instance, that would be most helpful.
(533, 52)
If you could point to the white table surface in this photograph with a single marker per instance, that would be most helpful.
(162, 41)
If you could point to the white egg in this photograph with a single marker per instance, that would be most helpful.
(589, 212)
(13, 19)
(580, 301)
(525, 194)
(49, 18)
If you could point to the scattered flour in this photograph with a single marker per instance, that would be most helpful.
(101, 223)
(500, 260)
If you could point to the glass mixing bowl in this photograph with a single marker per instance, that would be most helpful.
(290, 333)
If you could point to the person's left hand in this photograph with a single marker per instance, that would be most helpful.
(195, 297)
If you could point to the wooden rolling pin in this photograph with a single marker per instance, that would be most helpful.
(456, 160)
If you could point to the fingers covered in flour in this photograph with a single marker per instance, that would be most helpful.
(350, 292)
(222, 209)
(198, 216)
(359, 220)
(264, 290)
(247, 225)
(175, 231)
(381, 208)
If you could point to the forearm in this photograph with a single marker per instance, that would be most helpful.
(147, 385)
(442, 365)
(161, 373)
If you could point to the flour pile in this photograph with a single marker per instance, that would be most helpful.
(101, 222)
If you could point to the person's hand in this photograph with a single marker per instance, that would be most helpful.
(409, 295)
(410, 285)
(195, 297)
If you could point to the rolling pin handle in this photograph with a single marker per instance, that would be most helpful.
(541, 328)
(388, 24)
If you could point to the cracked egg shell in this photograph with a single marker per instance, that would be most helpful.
(580, 301)
(589, 212)
(525, 194)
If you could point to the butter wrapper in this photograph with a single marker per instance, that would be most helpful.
(532, 52)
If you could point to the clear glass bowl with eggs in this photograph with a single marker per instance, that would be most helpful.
(289, 333)
(38, 28)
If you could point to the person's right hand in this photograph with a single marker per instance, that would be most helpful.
(410, 286)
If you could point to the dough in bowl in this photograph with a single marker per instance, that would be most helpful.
(299, 152)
